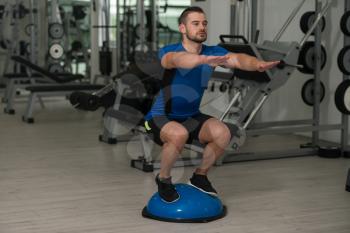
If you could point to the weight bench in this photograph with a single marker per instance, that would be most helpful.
(58, 85)
(52, 90)
(250, 91)
(14, 81)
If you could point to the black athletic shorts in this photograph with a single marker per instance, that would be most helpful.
(192, 124)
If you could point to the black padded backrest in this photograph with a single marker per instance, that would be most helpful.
(44, 72)
(242, 74)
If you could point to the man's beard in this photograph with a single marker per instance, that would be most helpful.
(196, 39)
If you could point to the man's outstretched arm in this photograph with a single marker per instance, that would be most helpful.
(190, 60)
(247, 62)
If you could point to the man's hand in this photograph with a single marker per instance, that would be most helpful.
(263, 65)
(249, 63)
(214, 60)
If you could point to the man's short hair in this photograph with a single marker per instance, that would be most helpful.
(188, 10)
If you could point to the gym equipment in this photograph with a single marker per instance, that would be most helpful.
(63, 86)
(194, 206)
(79, 12)
(56, 31)
(345, 23)
(307, 57)
(105, 59)
(308, 92)
(342, 97)
(307, 19)
(56, 51)
(76, 46)
(347, 186)
(56, 68)
(330, 152)
(15, 45)
(104, 97)
(344, 60)
(223, 87)
(14, 81)
(138, 83)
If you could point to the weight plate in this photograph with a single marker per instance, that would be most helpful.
(307, 57)
(138, 31)
(345, 23)
(307, 92)
(28, 28)
(56, 31)
(56, 68)
(344, 60)
(307, 19)
(342, 97)
(140, 48)
(56, 51)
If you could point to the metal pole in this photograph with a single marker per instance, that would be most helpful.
(345, 118)
(141, 22)
(317, 74)
(233, 20)
(254, 16)
(154, 24)
(118, 37)
(107, 19)
(290, 18)
(252, 115)
(234, 99)
(34, 32)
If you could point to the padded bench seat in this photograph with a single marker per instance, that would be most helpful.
(56, 88)
(53, 90)
(21, 75)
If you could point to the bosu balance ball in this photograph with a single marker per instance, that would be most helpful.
(192, 206)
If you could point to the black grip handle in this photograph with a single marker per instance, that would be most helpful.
(85, 101)
(222, 38)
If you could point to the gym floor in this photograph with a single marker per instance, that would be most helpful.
(56, 177)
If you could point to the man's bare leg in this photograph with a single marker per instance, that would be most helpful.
(217, 136)
(174, 137)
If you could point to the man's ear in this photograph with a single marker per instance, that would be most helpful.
(182, 28)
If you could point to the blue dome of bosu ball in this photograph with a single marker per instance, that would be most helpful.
(192, 206)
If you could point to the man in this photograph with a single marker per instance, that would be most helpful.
(174, 118)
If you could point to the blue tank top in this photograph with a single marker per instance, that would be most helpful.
(187, 85)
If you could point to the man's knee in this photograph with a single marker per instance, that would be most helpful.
(175, 135)
(220, 133)
(223, 134)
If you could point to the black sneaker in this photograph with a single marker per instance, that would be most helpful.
(202, 183)
(167, 190)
